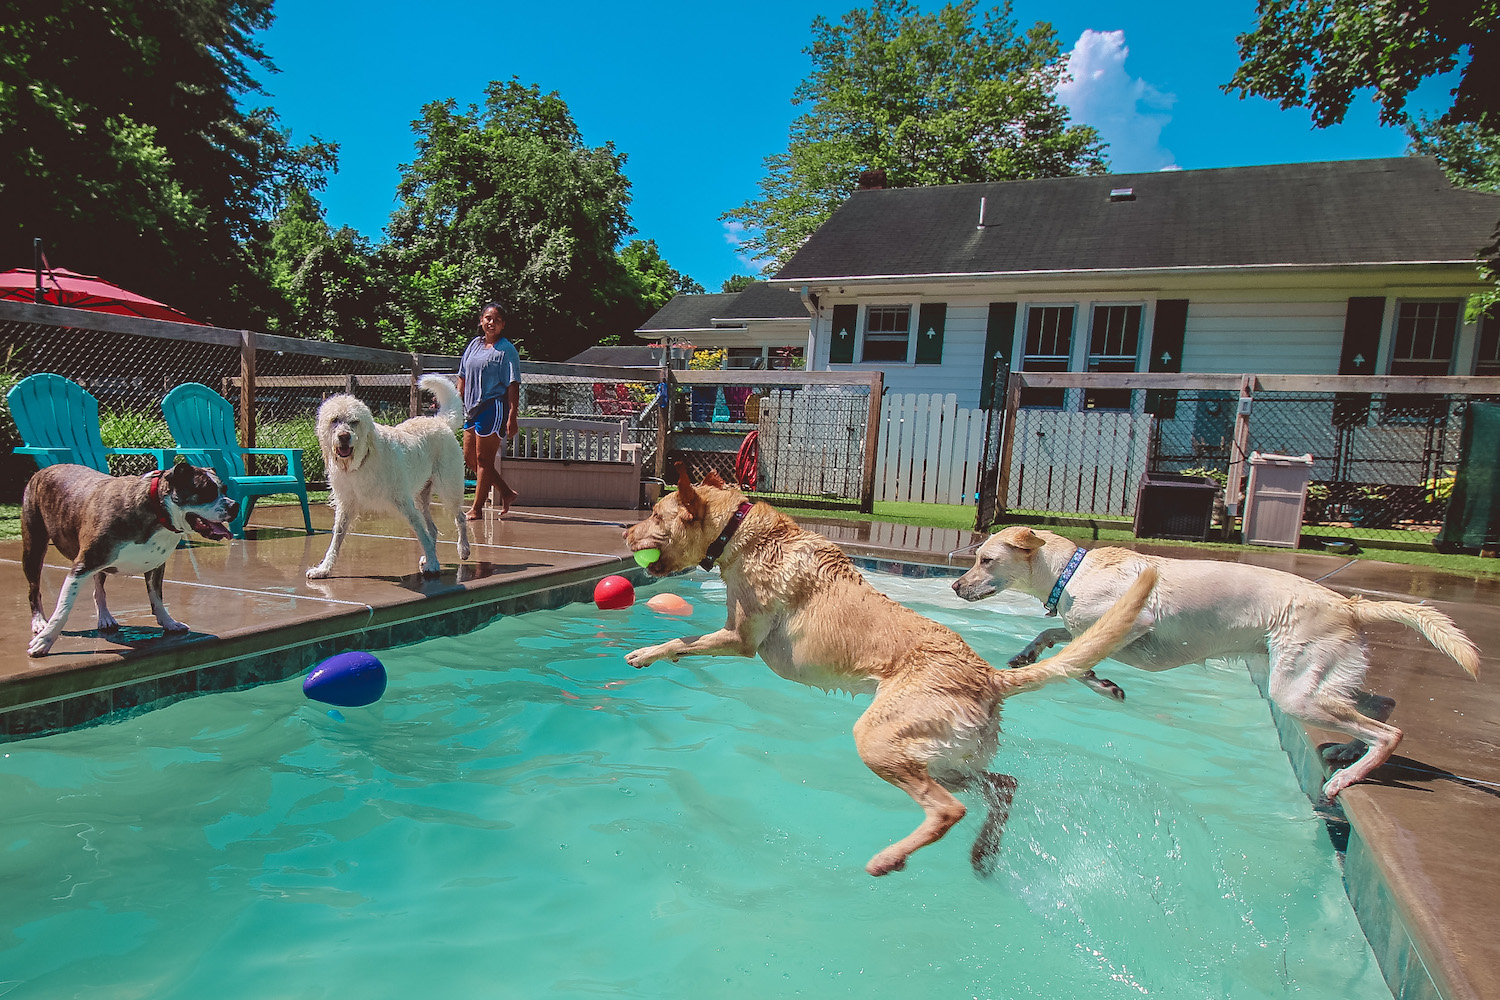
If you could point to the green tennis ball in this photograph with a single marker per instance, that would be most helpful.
(645, 557)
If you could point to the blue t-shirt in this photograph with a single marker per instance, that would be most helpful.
(488, 371)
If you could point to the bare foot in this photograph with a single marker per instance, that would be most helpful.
(474, 515)
(507, 497)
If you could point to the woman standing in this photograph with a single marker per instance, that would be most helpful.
(489, 379)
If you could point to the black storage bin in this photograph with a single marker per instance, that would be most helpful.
(1168, 505)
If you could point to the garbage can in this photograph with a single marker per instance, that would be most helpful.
(1169, 505)
(1276, 498)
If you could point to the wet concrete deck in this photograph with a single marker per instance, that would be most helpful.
(1422, 832)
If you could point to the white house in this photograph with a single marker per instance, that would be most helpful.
(759, 327)
(1351, 267)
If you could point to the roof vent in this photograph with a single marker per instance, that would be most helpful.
(1122, 194)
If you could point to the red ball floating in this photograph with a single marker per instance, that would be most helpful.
(613, 593)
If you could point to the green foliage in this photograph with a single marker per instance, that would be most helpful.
(123, 144)
(1469, 153)
(737, 283)
(707, 359)
(1439, 489)
(930, 99)
(1317, 53)
(10, 374)
(654, 280)
(506, 200)
(1217, 475)
(330, 283)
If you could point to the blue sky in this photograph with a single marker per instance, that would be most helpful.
(697, 95)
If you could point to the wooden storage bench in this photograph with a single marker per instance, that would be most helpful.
(559, 462)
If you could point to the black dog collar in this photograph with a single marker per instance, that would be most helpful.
(717, 548)
(163, 516)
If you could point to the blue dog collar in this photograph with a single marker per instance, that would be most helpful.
(1062, 581)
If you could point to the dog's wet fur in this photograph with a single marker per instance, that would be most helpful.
(107, 524)
(794, 598)
(400, 469)
(1310, 636)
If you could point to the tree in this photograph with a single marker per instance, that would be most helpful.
(1317, 53)
(124, 147)
(329, 282)
(737, 283)
(927, 98)
(506, 200)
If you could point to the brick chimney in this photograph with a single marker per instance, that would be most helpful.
(872, 180)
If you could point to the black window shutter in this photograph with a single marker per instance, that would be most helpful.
(1168, 334)
(999, 335)
(841, 346)
(1362, 319)
(930, 320)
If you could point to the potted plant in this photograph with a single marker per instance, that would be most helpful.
(1369, 507)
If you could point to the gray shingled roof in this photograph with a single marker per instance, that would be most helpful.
(698, 312)
(1343, 212)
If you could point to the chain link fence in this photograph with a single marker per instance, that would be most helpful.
(1383, 463)
(797, 437)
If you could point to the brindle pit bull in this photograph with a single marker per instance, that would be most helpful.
(795, 599)
(107, 524)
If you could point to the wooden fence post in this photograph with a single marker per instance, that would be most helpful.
(872, 443)
(247, 396)
(1239, 452)
(664, 409)
(416, 393)
(1007, 442)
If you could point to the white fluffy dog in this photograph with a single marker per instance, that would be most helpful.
(373, 467)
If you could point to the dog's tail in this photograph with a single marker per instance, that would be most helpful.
(1083, 653)
(450, 405)
(1436, 627)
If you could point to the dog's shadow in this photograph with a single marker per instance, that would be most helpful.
(138, 636)
(1410, 774)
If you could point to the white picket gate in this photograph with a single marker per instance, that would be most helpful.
(1081, 463)
(929, 449)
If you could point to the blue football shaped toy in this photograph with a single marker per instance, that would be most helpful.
(349, 679)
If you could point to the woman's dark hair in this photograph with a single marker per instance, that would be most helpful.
(495, 304)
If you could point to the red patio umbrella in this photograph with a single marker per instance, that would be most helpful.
(61, 287)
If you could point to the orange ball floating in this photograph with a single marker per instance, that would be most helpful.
(613, 593)
(669, 604)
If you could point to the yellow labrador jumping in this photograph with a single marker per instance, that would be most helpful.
(794, 598)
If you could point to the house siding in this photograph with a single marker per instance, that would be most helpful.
(1267, 338)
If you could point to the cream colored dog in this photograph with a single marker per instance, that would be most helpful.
(795, 599)
(373, 467)
(1203, 609)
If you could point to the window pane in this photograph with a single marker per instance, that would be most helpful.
(1049, 348)
(886, 330)
(1488, 362)
(1425, 333)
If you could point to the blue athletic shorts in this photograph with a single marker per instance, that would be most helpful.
(488, 418)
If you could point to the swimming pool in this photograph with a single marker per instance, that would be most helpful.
(524, 815)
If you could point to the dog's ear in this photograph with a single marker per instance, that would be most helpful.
(687, 497)
(1025, 539)
(712, 479)
(180, 474)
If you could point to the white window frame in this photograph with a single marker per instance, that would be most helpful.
(863, 321)
(1023, 333)
(1392, 360)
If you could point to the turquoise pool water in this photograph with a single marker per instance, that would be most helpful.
(523, 815)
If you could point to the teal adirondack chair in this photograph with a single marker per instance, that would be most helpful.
(202, 424)
(59, 421)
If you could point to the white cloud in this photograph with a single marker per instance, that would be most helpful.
(734, 235)
(1128, 112)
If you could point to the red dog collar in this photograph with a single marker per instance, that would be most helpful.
(163, 517)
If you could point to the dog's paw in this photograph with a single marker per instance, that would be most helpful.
(172, 625)
(319, 572)
(463, 553)
(643, 657)
(1104, 686)
(889, 860)
(1024, 658)
(40, 645)
(1344, 753)
(37, 624)
(107, 623)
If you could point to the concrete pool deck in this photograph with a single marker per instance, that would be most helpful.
(1418, 865)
